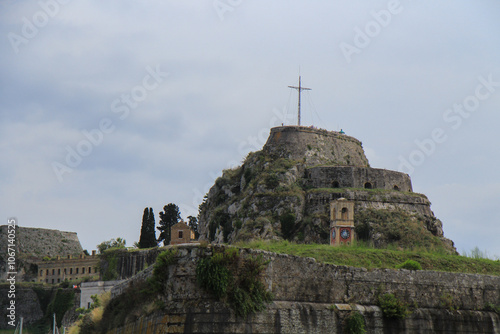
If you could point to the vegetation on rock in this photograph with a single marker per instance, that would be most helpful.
(392, 307)
(118, 243)
(234, 279)
(354, 323)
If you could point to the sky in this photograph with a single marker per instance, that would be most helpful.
(108, 107)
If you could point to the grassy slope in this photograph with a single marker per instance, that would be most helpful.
(371, 258)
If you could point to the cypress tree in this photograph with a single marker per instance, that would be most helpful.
(148, 233)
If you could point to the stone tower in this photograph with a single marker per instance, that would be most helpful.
(341, 222)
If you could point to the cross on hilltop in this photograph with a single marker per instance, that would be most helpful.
(299, 89)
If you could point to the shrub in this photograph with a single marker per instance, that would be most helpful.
(160, 269)
(212, 275)
(272, 180)
(392, 307)
(235, 279)
(490, 307)
(410, 265)
(446, 301)
(287, 221)
(354, 323)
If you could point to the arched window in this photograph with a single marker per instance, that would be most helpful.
(396, 187)
(368, 185)
(335, 184)
(344, 214)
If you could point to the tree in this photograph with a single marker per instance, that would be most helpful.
(168, 218)
(118, 243)
(148, 233)
(193, 224)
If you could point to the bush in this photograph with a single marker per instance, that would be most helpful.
(272, 180)
(410, 265)
(490, 307)
(354, 323)
(160, 269)
(212, 275)
(287, 221)
(234, 279)
(392, 307)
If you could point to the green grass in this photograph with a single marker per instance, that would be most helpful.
(371, 258)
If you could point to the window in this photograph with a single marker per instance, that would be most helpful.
(335, 184)
(181, 234)
(41, 272)
(70, 271)
(83, 270)
(52, 281)
(344, 214)
(90, 270)
(53, 271)
(64, 271)
(77, 270)
(46, 280)
(59, 271)
(47, 272)
(58, 280)
(396, 187)
(368, 185)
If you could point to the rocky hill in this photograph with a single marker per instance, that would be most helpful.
(284, 191)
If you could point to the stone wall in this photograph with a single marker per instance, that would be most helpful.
(88, 289)
(314, 297)
(356, 177)
(35, 243)
(315, 318)
(315, 146)
(43, 242)
(27, 306)
(318, 201)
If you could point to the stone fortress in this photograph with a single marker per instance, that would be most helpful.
(48, 256)
(332, 159)
(321, 167)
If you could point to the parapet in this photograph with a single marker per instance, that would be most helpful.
(315, 146)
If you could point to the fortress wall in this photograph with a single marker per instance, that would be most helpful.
(42, 242)
(357, 177)
(315, 147)
(305, 292)
(319, 201)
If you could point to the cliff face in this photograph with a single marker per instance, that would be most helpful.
(311, 297)
(284, 191)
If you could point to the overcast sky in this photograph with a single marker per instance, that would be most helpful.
(108, 107)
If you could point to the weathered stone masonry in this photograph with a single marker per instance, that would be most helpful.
(305, 290)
